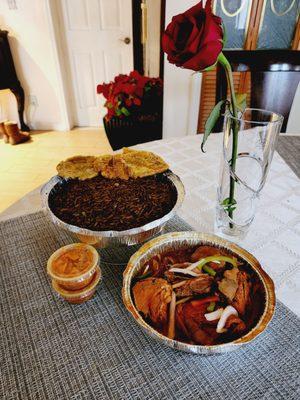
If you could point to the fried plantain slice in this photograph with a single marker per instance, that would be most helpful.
(143, 163)
(102, 162)
(129, 164)
(116, 168)
(81, 167)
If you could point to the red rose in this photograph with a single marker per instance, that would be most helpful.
(193, 40)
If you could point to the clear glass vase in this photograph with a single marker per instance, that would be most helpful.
(241, 181)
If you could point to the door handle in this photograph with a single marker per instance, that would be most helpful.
(127, 40)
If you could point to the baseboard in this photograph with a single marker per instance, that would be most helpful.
(46, 126)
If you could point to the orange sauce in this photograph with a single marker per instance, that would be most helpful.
(73, 262)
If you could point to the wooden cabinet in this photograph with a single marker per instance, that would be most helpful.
(251, 25)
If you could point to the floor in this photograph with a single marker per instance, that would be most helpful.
(26, 166)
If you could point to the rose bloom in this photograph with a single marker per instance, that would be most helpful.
(193, 40)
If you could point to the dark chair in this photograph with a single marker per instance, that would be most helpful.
(275, 75)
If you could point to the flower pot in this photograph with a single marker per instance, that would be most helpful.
(124, 132)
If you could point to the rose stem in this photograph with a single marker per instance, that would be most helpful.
(226, 65)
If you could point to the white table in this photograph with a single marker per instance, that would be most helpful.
(274, 237)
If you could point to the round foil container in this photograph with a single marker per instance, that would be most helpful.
(177, 240)
(101, 239)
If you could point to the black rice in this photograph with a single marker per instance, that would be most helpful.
(102, 204)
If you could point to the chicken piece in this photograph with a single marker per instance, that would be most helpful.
(177, 256)
(170, 276)
(235, 324)
(256, 303)
(168, 260)
(229, 284)
(201, 285)
(242, 296)
(191, 323)
(156, 265)
(151, 297)
(207, 251)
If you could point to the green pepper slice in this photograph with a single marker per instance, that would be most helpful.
(211, 306)
(206, 260)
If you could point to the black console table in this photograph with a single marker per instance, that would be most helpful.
(8, 76)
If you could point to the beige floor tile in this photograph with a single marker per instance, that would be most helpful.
(26, 166)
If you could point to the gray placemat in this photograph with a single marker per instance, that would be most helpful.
(289, 149)
(50, 349)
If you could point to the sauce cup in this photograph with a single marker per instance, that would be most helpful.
(73, 266)
(81, 295)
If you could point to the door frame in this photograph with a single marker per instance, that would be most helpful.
(59, 50)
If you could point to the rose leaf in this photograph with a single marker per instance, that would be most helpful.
(211, 121)
(228, 205)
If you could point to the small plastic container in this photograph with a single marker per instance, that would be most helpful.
(73, 266)
(82, 295)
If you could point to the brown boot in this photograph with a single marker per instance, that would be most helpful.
(3, 131)
(14, 134)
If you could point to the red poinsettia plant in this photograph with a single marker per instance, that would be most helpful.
(195, 40)
(132, 94)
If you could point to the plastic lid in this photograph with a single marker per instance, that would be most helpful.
(73, 261)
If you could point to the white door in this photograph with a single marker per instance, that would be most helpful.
(98, 35)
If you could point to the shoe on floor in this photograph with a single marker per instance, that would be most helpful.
(3, 131)
(15, 136)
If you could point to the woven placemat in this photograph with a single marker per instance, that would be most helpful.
(50, 349)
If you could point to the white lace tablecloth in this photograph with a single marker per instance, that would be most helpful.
(274, 237)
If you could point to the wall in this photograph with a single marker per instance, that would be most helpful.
(30, 38)
(293, 126)
(181, 88)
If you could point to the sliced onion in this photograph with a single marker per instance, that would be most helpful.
(185, 299)
(171, 327)
(196, 264)
(184, 271)
(182, 265)
(146, 269)
(229, 310)
(179, 284)
(214, 315)
(193, 265)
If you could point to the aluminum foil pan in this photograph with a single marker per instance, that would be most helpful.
(103, 239)
(174, 241)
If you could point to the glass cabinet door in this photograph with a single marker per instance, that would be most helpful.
(235, 15)
(278, 24)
